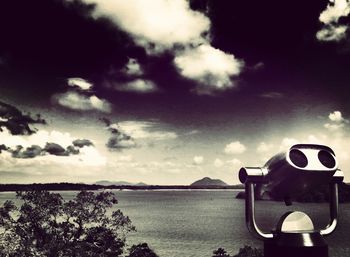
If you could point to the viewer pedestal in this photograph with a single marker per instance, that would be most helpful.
(291, 244)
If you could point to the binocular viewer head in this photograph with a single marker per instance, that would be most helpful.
(294, 172)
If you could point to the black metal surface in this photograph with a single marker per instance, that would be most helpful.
(307, 244)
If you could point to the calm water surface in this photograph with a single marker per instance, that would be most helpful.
(194, 223)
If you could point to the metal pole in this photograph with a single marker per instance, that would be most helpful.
(250, 213)
(333, 209)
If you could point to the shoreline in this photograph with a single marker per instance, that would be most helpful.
(95, 187)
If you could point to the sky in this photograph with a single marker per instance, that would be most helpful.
(168, 92)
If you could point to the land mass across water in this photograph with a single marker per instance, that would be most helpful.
(205, 183)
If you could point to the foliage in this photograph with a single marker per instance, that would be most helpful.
(141, 250)
(220, 252)
(246, 251)
(46, 225)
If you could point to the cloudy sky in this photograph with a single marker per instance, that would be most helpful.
(167, 92)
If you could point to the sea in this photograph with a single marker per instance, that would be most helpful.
(194, 223)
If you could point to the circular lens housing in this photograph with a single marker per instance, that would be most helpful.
(298, 158)
(326, 159)
(242, 175)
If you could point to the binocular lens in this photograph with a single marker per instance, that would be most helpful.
(326, 159)
(298, 158)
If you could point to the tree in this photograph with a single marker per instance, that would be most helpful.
(248, 251)
(220, 252)
(141, 250)
(46, 225)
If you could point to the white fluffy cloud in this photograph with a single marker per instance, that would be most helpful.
(88, 155)
(198, 160)
(264, 147)
(138, 86)
(218, 163)
(82, 99)
(76, 101)
(235, 148)
(159, 22)
(39, 138)
(336, 121)
(160, 25)
(332, 30)
(335, 10)
(79, 82)
(332, 33)
(336, 116)
(209, 66)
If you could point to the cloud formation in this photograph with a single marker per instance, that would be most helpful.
(118, 140)
(16, 122)
(80, 98)
(336, 121)
(211, 67)
(146, 130)
(125, 134)
(218, 163)
(80, 83)
(137, 86)
(82, 142)
(157, 25)
(235, 147)
(198, 160)
(133, 68)
(76, 101)
(332, 30)
(172, 26)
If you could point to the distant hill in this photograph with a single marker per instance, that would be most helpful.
(118, 183)
(208, 182)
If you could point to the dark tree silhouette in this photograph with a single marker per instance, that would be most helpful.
(246, 251)
(46, 225)
(141, 250)
(220, 252)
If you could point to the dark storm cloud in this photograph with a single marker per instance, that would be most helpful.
(35, 150)
(55, 149)
(119, 140)
(17, 122)
(82, 142)
(29, 152)
(3, 148)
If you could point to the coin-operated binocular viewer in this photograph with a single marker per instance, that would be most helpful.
(286, 176)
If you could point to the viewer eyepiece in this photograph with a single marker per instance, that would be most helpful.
(285, 176)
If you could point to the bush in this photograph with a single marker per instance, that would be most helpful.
(141, 250)
(46, 225)
(220, 252)
(246, 251)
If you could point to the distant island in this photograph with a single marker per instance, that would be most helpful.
(118, 183)
(209, 182)
(205, 183)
